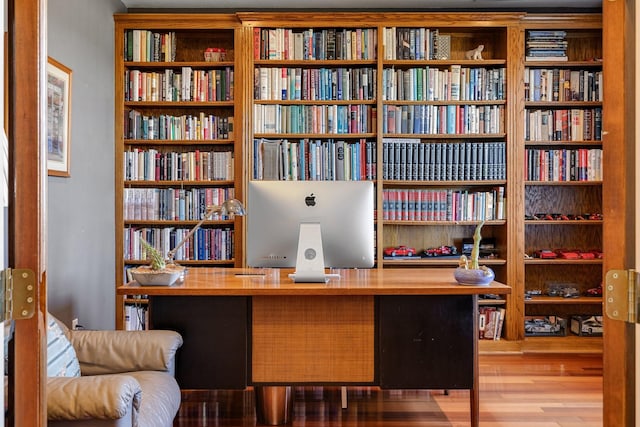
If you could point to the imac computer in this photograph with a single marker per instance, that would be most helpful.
(310, 225)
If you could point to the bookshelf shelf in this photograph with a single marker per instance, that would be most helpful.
(444, 62)
(545, 300)
(169, 183)
(534, 261)
(191, 262)
(564, 143)
(436, 261)
(594, 222)
(178, 223)
(456, 136)
(170, 65)
(427, 223)
(178, 142)
(449, 183)
(181, 104)
(596, 183)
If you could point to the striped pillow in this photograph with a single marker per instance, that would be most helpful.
(61, 357)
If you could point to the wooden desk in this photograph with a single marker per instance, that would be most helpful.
(395, 328)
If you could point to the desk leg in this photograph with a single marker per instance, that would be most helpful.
(474, 397)
(274, 404)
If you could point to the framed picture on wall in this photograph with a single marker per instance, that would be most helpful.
(58, 118)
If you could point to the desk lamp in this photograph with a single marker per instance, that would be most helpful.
(229, 207)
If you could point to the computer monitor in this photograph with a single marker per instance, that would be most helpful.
(310, 225)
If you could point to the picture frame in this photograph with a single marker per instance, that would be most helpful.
(58, 119)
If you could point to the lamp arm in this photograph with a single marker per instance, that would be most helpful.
(207, 214)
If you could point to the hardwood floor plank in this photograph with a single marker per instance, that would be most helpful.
(530, 390)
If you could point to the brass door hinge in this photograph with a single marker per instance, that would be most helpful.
(621, 293)
(17, 293)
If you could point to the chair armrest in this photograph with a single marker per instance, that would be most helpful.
(110, 352)
(102, 397)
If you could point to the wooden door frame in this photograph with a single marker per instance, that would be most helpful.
(618, 203)
(26, 54)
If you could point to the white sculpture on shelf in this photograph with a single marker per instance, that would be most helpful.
(475, 53)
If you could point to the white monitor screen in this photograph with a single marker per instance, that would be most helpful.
(344, 210)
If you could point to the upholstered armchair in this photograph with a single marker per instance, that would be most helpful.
(126, 378)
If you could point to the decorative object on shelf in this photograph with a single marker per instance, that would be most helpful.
(58, 118)
(215, 54)
(469, 271)
(444, 46)
(475, 54)
(163, 272)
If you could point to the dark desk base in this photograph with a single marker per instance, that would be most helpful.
(421, 341)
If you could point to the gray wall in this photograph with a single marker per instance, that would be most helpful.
(81, 218)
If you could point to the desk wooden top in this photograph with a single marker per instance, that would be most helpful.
(261, 281)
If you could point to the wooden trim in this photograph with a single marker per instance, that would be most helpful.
(27, 55)
(618, 340)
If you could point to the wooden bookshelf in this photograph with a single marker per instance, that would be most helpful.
(576, 95)
(178, 141)
(503, 35)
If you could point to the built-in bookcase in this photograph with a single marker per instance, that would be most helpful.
(451, 135)
(177, 145)
(563, 101)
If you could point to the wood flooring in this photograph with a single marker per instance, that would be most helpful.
(535, 390)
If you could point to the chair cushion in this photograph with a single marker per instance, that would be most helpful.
(61, 357)
(160, 398)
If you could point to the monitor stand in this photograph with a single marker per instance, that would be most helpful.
(310, 257)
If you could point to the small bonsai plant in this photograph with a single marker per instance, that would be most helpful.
(156, 258)
(473, 264)
(469, 271)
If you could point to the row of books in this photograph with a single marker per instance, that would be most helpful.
(412, 160)
(149, 46)
(330, 119)
(206, 244)
(325, 84)
(546, 45)
(576, 124)
(443, 205)
(136, 317)
(555, 84)
(314, 160)
(411, 43)
(172, 204)
(315, 44)
(153, 165)
(198, 127)
(582, 164)
(186, 85)
(490, 322)
(456, 83)
(443, 119)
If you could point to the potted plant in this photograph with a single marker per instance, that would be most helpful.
(158, 272)
(469, 271)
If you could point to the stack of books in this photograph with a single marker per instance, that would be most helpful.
(546, 45)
